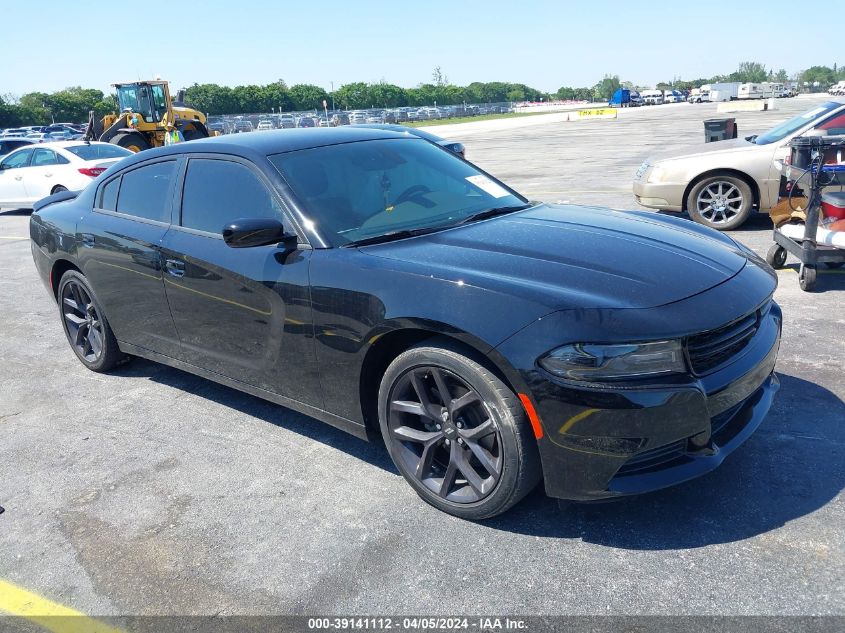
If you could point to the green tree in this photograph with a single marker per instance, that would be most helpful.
(818, 78)
(354, 96)
(307, 97)
(750, 72)
(606, 87)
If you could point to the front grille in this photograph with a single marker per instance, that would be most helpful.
(709, 350)
(654, 458)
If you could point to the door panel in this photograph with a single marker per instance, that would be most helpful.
(244, 313)
(122, 259)
(40, 177)
(119, 248)
(12, 190)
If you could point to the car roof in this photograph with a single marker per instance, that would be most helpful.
(403, 129)
(280, 141)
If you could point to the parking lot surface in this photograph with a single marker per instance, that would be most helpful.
(150, 491)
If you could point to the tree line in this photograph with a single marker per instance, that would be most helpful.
(215, 99)
(814, 79)
(73, 104)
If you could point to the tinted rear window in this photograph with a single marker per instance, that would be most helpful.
(99, 151)
(144, 191)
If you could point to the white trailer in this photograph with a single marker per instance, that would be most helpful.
(720, 91)
(754, 91)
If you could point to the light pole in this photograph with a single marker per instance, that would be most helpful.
(332, 83)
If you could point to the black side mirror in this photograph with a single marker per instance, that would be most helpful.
(248, 232)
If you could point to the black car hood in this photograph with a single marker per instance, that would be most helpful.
(567, 257)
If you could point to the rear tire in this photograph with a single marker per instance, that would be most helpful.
(470, 454)
(721, 202)
(87, 330)
(58, 188)
(131, 141)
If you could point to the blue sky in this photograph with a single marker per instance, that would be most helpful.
(49, 45)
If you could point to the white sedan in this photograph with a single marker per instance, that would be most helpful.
(31, 173)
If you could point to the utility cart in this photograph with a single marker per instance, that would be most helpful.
(815, 163)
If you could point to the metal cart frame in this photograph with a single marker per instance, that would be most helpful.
(808, 252)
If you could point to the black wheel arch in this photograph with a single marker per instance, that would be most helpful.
(755, 190)
(391, 341)
(59, 268)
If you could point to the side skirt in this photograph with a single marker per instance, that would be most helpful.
(354, 428)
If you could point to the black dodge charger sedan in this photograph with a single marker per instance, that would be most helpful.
(382, 284)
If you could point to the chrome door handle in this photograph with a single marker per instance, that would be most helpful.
(47, 175)
(18, 177)
(175, 268)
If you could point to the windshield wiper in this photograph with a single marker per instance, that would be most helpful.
(392, 236)
(489, 213)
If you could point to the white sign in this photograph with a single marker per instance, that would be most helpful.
(485, 184)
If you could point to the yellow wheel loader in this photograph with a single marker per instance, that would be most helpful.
(145, 108)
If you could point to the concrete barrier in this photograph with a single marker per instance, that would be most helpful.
(596, 113)
(752, 105)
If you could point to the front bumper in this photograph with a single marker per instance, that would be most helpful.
(603, 441)
(663, 196)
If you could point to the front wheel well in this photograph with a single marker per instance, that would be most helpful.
(755, 190)
(385, 350)
(60, 267)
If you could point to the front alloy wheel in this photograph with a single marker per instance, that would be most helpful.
(456, 432)
(720, 202)
(445, 435)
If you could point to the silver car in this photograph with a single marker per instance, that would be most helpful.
(720, 183)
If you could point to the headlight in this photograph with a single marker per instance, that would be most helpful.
(586, 361)
(657, 174)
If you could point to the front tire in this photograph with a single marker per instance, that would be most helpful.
(721, 202)
(456, 432)
(86, 328)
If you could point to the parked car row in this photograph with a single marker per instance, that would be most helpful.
(336, 118)
(55, 131)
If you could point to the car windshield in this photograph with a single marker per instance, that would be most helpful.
(793, 125)
(358, 191)
(96, 151)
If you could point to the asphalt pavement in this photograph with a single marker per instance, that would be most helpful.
(151, 491)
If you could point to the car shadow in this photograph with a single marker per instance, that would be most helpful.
(370, 452)
(756, 221)
(792, 466)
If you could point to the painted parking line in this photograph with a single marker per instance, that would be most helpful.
(12, 237)
(50, 615)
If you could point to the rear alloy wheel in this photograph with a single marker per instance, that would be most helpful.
(720, 202)
(456, 432)
(85, 326)
(58, 188)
